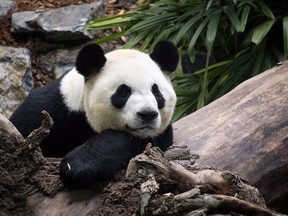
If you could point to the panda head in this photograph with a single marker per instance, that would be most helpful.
(127, 89)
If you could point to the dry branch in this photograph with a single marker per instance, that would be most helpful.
(245, 131)
(155, 167)
(23, 168)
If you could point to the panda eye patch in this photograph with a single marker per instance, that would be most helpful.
(120, 97)
(124, 90)
(159, 97)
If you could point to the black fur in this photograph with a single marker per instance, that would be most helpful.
(104, 155)
(166, 55)
(90, 59)
(159, 97)
(120, 97)
(70, 129)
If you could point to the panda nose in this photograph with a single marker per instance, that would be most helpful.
(147, 115)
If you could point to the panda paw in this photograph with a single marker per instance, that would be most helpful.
(74, 173)
(97, 160)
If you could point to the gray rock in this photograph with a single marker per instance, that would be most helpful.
(61, 24)
(15, 78)
(59, 61)
(22, 22)
(6, 6)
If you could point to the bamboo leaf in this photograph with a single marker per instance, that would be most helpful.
(148, 40)
(196, 35)
(202, 98)
(112, 22)
(212, 30)
(265, 9)
(208, 4)
(259, 59)
(136, 39)
(110, 37)
(152, 22)
(244, 17)
(261, 31)
(233, 17)
(186, 27)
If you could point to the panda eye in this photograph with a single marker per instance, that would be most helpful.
(121, 96)
(159, 97)
(155, 90)
(124, 91)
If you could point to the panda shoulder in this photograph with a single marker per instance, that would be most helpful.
(72, 90)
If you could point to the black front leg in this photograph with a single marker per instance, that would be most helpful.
(98, 159)
(164, 140)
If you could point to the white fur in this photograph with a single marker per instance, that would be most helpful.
(138, 71)
(72, 88)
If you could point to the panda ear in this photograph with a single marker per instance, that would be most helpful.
(166, 55)
(90, 59)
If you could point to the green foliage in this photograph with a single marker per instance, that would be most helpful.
(249, 35)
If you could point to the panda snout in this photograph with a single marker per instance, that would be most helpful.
(147, 115)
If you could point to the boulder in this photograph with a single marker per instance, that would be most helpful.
(15, 78)
(59, 61)
(6, 6)
(61, 24)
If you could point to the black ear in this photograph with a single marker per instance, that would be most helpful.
(90, 59)
(166, 55)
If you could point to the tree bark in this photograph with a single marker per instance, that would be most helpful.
(246, 131)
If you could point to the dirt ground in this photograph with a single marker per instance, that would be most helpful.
(38, 45)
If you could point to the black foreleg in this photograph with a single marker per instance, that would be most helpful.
(96, 160)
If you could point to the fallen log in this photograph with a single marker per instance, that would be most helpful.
(157, 169)
(24, 170)
(246, 131)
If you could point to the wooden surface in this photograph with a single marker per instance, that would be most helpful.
(245, 131)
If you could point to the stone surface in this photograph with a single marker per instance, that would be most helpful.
(59, 61)
(15, 78)
(61, 24)
(6, 6)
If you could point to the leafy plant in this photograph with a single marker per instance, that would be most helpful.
(249, 35)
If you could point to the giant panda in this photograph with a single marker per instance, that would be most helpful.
(105, 111)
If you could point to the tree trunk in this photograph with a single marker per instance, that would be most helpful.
(246, 131)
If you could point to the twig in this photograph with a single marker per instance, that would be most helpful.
(153, 161)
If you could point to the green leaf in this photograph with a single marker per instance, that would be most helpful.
(244, 17)
(110, 37)
(208, 4)
(265, 9)
(186, 27)
(212, 30)
(196, 35)
(233, 17)
(202, 98)
(133, 41)
(153, 22)
(285, 36)
(261, 31)
(110, 22)
(148, 39)
(259, 59)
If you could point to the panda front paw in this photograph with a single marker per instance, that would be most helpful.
(99, 159)
(74, 173)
